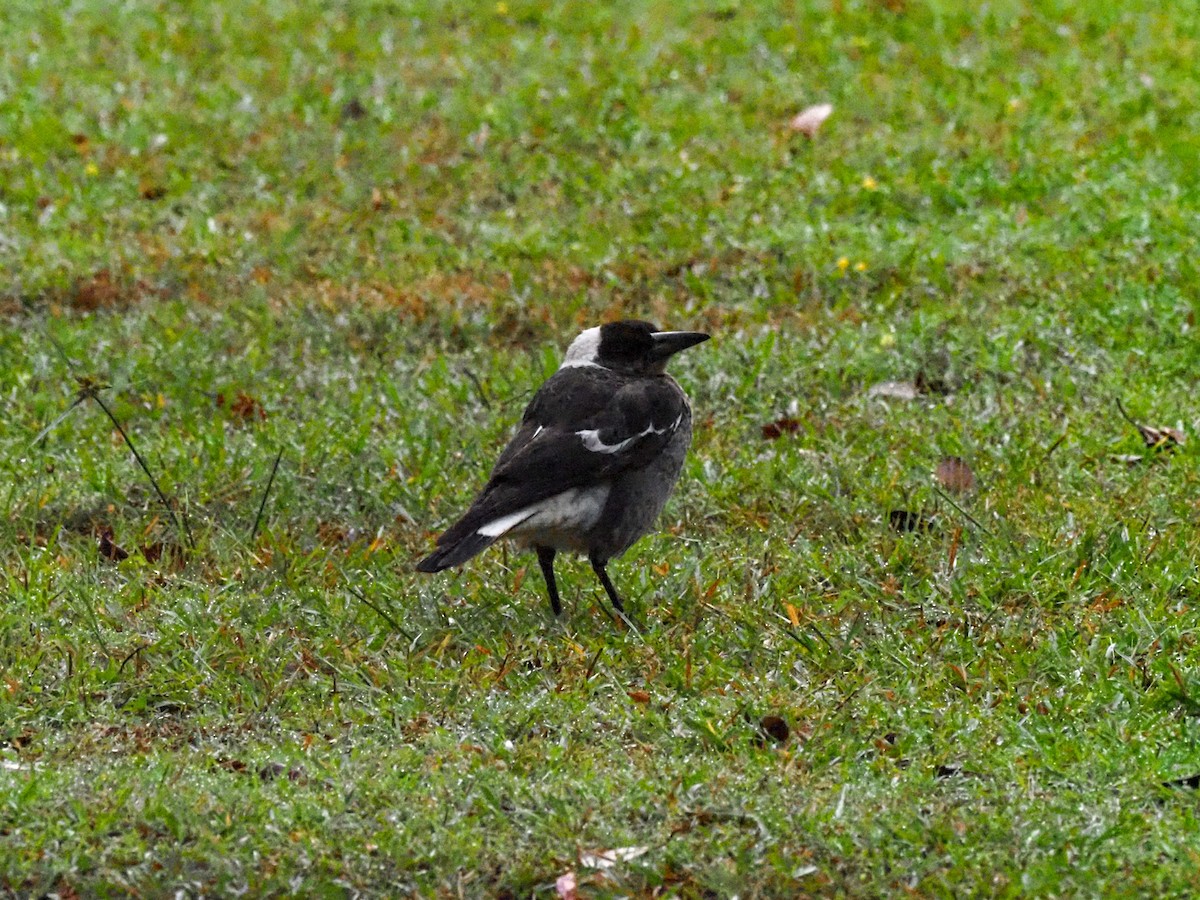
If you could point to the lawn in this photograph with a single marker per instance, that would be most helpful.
(922, 615)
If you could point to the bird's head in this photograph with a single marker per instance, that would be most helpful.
(629, 346)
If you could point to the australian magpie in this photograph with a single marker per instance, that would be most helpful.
(597, 453)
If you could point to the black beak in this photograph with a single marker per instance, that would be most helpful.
(668, 343)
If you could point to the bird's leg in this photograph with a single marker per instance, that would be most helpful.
(545, 557)
(602, 574)
(598, 568)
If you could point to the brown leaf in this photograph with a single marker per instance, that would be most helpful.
(98, 291)
(232, 765)
(246, 407)
(108, 549)
(809, 120)
(1155, 438)
(780, 427)
(151, 191)
(639, 696)
(1162, 438)
(332, 534)
(776, 728)
(353, 110)
(955, 475)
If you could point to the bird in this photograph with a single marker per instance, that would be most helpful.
(589, 469)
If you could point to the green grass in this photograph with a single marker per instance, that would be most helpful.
(358, 235)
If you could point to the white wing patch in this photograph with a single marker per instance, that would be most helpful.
(591, 437)
(555, 519)
(497, 527)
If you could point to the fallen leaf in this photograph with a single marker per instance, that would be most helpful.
(809, 120)
(332, 534)
(955, 475)
(246, 407)
(1162, 438)
(99, 290)
(895, 390)
(564, 885)
(1155, 438)
(639, 696)
(907, 520)
(108, 549)
(353, 109)
(776, 728)
(606, 859)
(270, 771)
(780, 427)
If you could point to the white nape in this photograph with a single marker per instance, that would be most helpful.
(584, 350)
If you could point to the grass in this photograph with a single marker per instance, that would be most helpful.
(353, 237)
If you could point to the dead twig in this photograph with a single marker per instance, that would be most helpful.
(89, 388)
(266, 493)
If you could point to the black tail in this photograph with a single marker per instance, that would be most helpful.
(455, 554)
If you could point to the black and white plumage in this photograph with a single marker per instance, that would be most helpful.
(594, 460)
